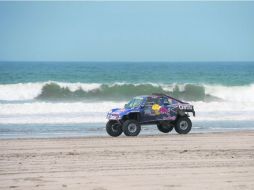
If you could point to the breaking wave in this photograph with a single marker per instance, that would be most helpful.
(53, 91)
(58, 91)
(68, 103)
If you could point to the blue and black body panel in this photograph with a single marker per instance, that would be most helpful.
(152, 109)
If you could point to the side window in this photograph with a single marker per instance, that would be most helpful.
(170, 101)
(160, 101)
(149, 101)
(157, 101)
(163, 101)
(167, 101)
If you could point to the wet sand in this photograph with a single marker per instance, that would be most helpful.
(193, 161)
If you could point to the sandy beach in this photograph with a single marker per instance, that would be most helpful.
(204, 161)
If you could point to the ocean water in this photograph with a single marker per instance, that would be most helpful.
(50, 99)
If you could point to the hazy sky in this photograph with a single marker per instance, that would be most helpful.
(127, 31)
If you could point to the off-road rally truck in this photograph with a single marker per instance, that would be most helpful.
(166, 112)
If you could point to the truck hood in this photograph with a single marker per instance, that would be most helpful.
(120, 112)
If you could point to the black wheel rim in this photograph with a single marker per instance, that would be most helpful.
(115, 127)
(183, 125)
(132, 128)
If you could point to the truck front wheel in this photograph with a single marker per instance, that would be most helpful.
(113, 128)
(131, 128)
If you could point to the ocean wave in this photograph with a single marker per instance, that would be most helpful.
(59, 91)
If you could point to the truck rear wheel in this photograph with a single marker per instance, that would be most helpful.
(131, 128)
(165, 127)
(113, 128)
(183, 125)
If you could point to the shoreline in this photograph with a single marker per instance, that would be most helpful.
(105, 135)
(218, 160)
(45, 131)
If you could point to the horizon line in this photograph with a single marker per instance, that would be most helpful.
(121, 61)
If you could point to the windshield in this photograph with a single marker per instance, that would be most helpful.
(135, 102)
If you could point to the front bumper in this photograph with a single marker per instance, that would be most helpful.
(112, 116)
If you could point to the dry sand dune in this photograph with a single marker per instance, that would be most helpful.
(194, 161)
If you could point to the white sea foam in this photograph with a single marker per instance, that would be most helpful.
(232, 93)
(29, 91)
(95, 112)
(41, 112)
(20, 91)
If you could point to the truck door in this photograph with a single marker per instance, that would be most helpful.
(160, 108)
(148, 112)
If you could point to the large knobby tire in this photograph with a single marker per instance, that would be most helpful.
(131, 128)
(113, 128)
(183, 125)
(165, 127)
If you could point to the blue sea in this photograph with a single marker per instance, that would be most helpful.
(62, 99)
